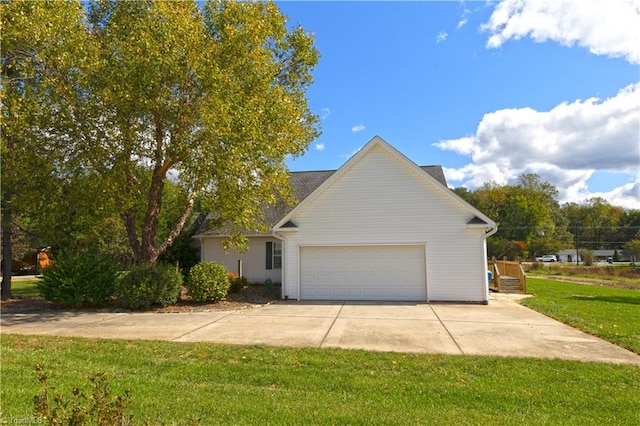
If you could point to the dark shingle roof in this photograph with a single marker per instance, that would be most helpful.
(436, 172)
(303, 184)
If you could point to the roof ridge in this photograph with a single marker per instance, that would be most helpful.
(314, 171)
(335, 170)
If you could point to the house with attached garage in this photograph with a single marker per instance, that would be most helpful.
(380, 228)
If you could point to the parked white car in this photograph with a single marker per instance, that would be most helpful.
(547, 258)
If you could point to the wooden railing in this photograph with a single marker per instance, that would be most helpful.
(503, 270)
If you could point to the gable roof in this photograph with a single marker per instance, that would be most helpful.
(303, 185)
(308, 184)
(479, 220)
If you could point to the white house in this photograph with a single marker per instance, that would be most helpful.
(569, 255)
(378, 228)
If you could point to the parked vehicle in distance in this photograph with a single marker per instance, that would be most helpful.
(547, 258)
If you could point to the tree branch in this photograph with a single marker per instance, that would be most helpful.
(180, 224)
(129, 218)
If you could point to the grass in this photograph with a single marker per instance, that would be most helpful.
(24, 288)
(203, 383)
(620, 275)
(610, 313)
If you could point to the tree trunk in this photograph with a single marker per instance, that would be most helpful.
(7, 248)
(129, 219)
(148, 250)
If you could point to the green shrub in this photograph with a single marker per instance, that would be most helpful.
(208, 281)
(587, 257)
(237, 282)
(147, 285)
(78, 279)
(535, 266)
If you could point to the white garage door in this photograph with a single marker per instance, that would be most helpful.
(363, 273)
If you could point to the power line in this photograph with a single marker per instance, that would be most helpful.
(569, 228)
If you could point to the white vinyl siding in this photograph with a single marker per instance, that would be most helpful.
(254, 267)
(381, 200)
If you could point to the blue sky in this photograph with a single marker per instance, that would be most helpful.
(488, 90)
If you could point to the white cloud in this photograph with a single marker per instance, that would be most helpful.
(442, 36)
(605, 27)
(325, 113)
(568, 143)
(565, 146)
(354, 152)
(464, 18)
(319, 147)
(357, 128)
(626, 196)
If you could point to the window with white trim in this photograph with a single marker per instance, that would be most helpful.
(274, 255)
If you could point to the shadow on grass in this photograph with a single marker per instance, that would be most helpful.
(609, 299)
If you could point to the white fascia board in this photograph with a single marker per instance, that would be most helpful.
(375, 141)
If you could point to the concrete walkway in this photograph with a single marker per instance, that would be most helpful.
(502, 328)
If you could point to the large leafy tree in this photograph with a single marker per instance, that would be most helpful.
(596, 224)
(529, 217)
(600, 220)
(634, 247)
(629, 226)
(33, 34)
(532, 223)
(209, 97)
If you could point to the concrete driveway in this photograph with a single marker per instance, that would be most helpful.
(502, 328)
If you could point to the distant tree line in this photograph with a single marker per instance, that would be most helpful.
(532, 222)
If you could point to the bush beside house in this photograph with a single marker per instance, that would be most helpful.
(91, 279)
(79, 279)
(148, 285)
(208, 281)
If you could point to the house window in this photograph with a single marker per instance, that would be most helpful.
(277, 255)
(274, 255)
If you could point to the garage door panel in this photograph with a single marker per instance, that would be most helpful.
(338, 279)
(363, 273)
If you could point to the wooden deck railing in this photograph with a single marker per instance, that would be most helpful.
(503, 270)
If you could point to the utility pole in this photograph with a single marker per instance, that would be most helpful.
(575, 236)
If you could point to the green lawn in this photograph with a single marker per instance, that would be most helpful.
(202, 383)
(179, 383)
(610, 313)
(618, 275)
(24, 288)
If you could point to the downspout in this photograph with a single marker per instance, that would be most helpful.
(284, 262)
(487, 234)
(201, 241)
